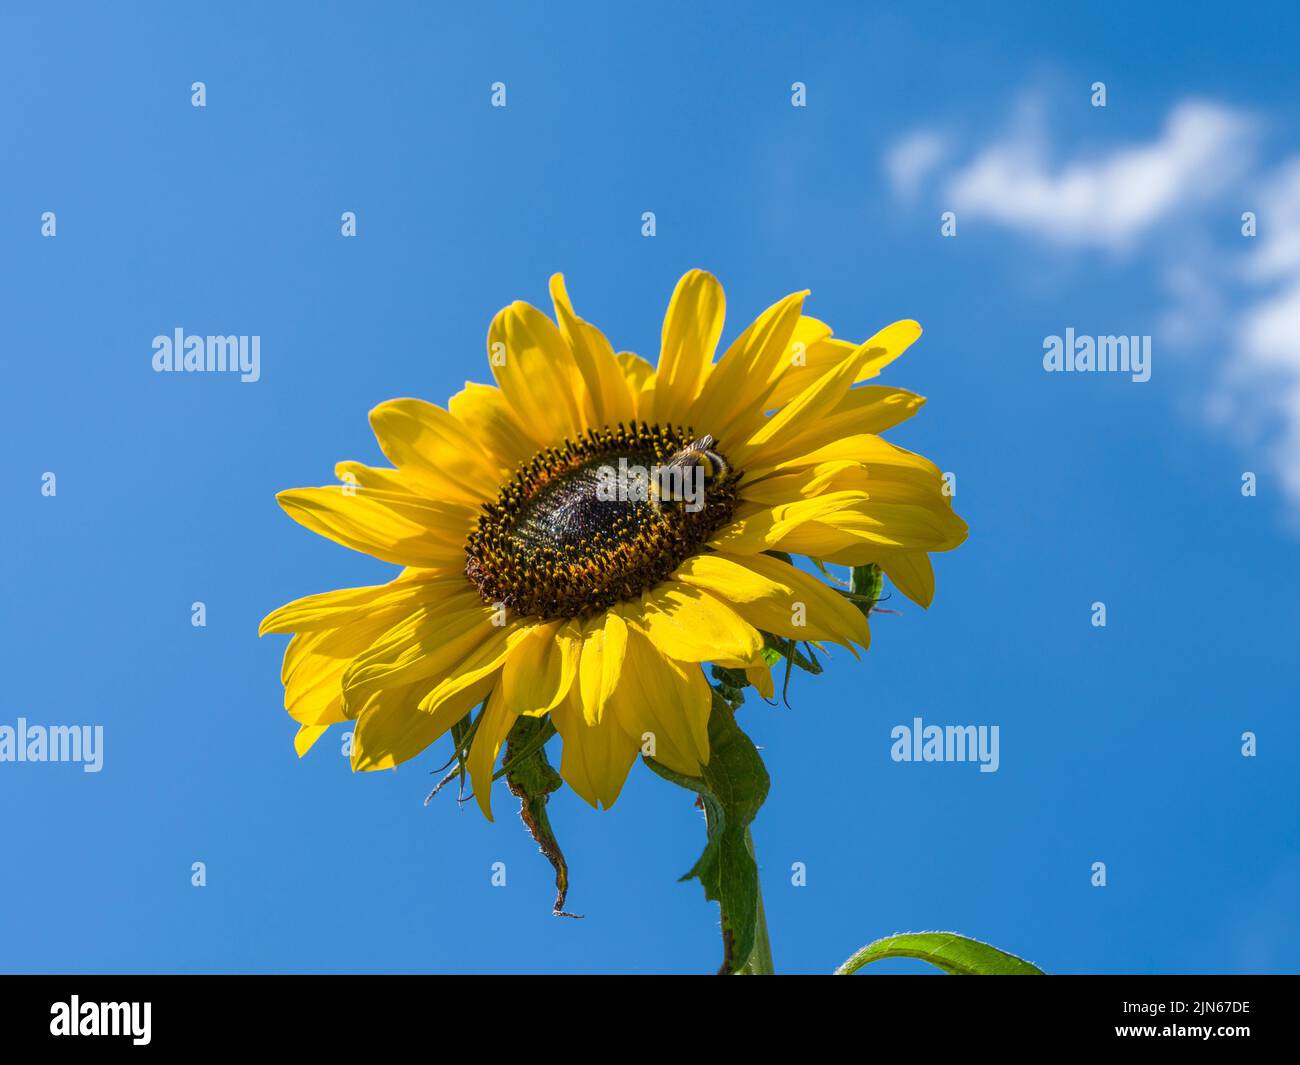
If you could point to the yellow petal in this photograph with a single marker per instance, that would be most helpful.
(435, 446)
(774, 596)
(492, 422)
(905, 527)
(884, 496)
(911, 573)
(691, 625)
(538, 374)
(883, 484)
(640, 377)
(865, 448)
(841, 475)
(306, 737)
(825, 351)
(312, 675)
(826, 542)
(760, 528)
(596, 756)
(922, 520)
(337, 608)
(691, 330)
(392, 729)
(540, 672)
(761, 678)
(772, 440)
(664, 704)
(315, 664)
(807, 332)
(735, 392)
(893, 340)
(611, 395)
(867, 409)
(423, 645)
(396, 528)
(604, 642)
(444, 703)
(380, 478)
(494, 726)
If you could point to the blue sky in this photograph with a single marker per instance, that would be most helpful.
(1119, 744)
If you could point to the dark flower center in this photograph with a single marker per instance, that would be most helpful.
(599, 520)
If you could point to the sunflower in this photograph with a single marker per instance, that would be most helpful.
(527, 589)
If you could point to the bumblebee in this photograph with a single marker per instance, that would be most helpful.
(700, 452)
(673, 480)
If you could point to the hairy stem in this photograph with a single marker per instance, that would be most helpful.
(760, 959)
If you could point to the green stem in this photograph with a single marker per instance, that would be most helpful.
(760, 959)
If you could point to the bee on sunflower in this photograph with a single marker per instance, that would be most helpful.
(530, 596)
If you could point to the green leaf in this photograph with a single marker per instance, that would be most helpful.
(730, 685)
(776, 648)
(731, 791)
(462, 735)
(865, 585)
(954, 954)
(789, 650)
(531, 779)
(538, 738)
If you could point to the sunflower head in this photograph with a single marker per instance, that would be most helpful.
(580, 539)
(573, 534)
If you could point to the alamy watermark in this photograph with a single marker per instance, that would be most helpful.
(630, 483)
(212, 354)
(77, 1018)
(1109, 354)
(919, 742)
(53, 743)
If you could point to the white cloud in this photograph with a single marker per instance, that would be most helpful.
(1270, 331)
(1265, 369)
(1279, 226)
(1111, 199)
(1231, 296)
(910, 161)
